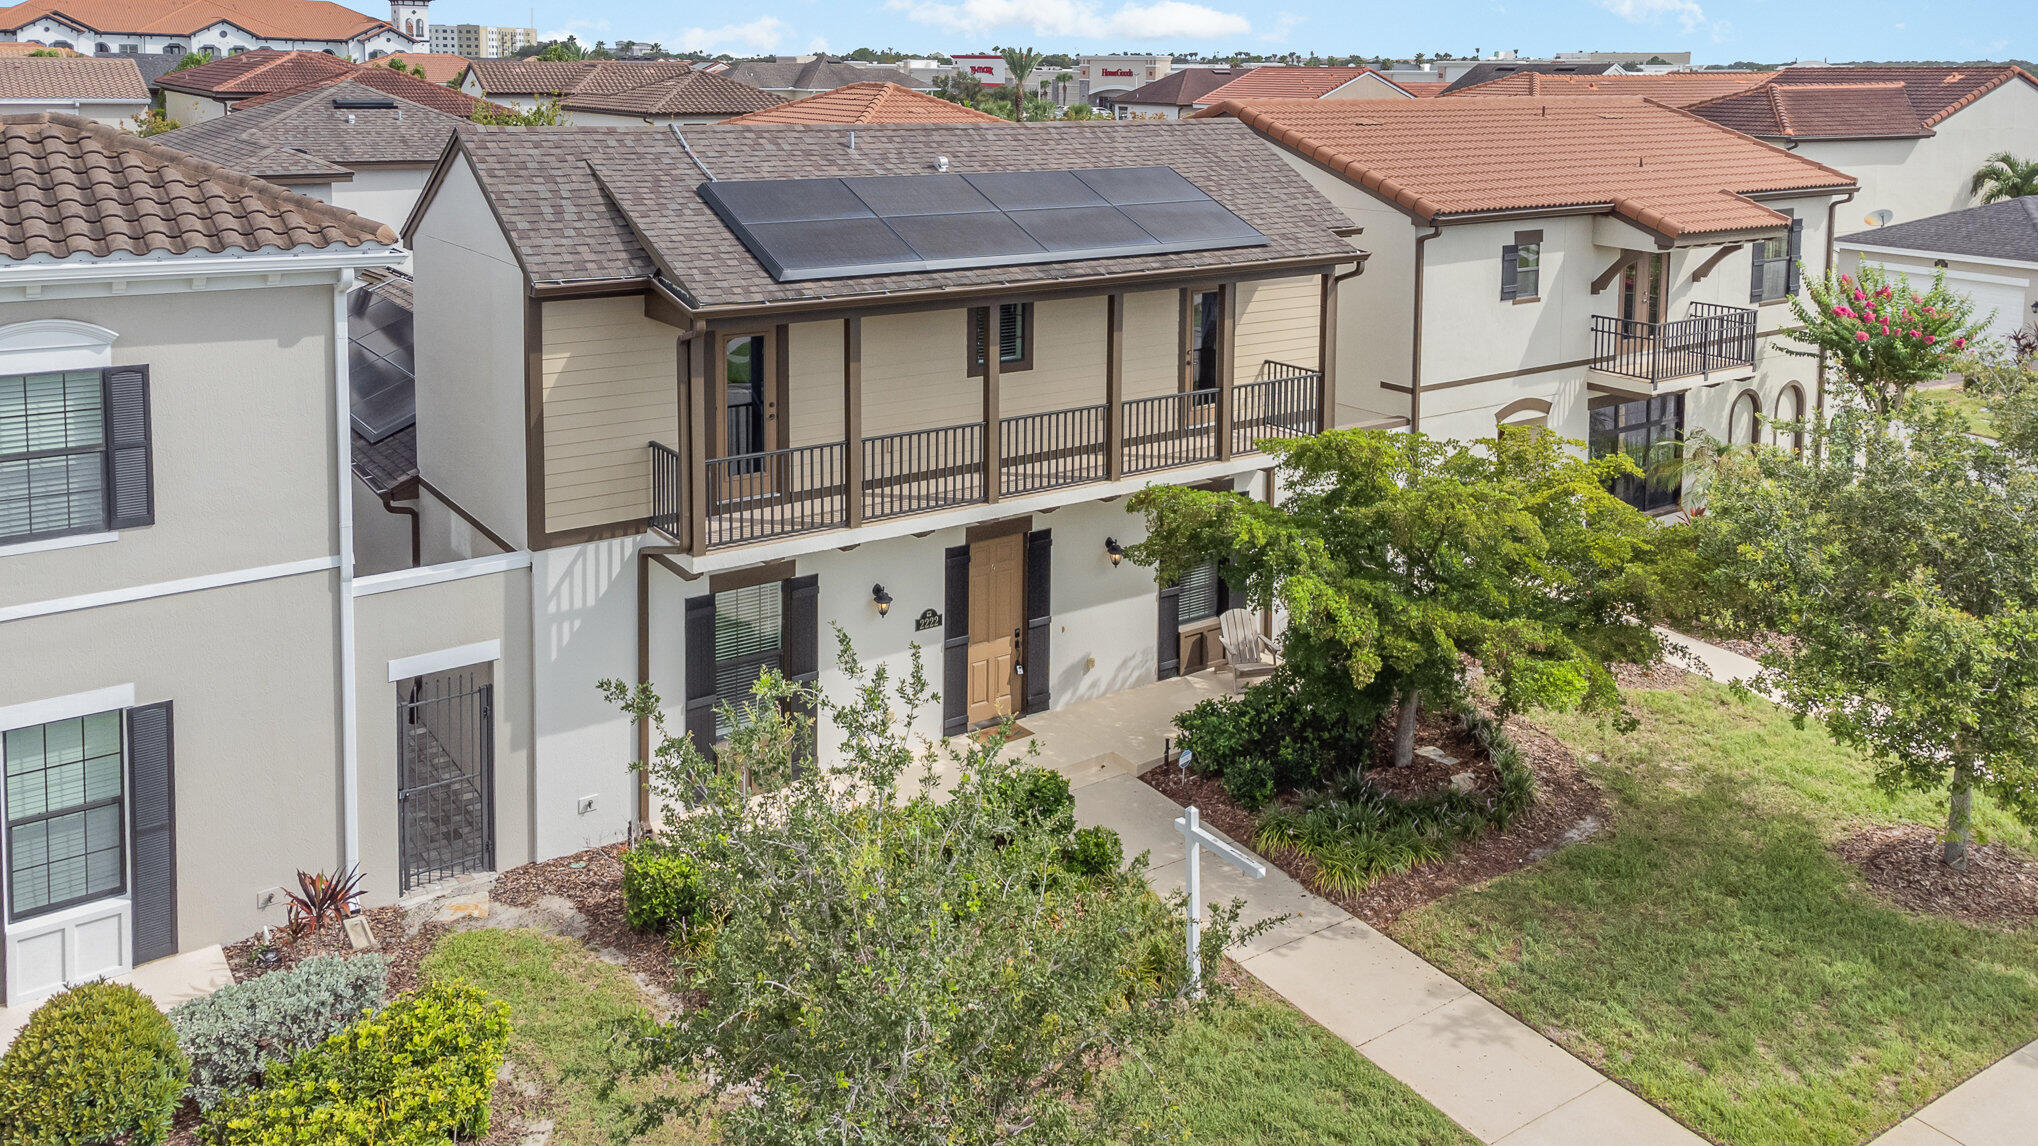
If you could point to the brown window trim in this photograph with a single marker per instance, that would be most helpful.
(975, 350)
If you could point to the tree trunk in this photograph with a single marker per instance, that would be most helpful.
(1404, 727)
(1959, 819)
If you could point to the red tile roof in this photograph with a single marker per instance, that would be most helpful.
(1286, 83)
(270, 19)
(440, 67)
(259, 72)
(389, 80)
(1857, 103)
(30, 47)
(1663, 169)
(868, 102)
(1678, 89)
(1423, 89)
(79, 78)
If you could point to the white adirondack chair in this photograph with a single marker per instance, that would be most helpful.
(1252, 654)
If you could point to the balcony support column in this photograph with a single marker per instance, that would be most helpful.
(1227, 369)
(1114, 386)
(994, 438)
(852, 420)
(694, 432)
(1326, 355)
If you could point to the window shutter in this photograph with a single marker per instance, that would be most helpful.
(802, 654)
(955, 643)
(1039, 615)
(700, 671)
(152, 831)
(1755, 261)
(1011, 324)
(1790, 273)
(130, 485)
(1170, 650)
(1509, 256)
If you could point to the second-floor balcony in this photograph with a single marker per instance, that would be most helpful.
(756, 497)
(1711, 338)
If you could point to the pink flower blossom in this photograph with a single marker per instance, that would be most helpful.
(1860, 336)
(1860, 297)
(1885, 328)
(1843, 311)
(1958, 343)
(1930, 339)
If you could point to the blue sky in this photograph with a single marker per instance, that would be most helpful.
(1714, 31)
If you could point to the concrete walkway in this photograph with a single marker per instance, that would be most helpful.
(167, 982)
(1483, 1068)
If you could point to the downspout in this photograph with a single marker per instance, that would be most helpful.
(1415, 337)
(1832, 213)
(417, 543)
(343, 472)
(646, 556)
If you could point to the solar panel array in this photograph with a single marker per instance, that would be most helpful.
(892, 224)
(380, 361)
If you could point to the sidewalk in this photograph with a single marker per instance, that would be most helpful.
(1484, 1069)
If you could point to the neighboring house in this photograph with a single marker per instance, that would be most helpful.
(349, 144)
(152, 67)
(442, 68)
(1913, 136)
(1620, 275)
(30, 47)
(224, 27)
(1174, 95)
(111, 92)
(387, 81)
(175, 591)
(1989, 253)
(792, 77)
(1461, 76)
(209, 91)
(1269, 82)
(1677, 89)
(869, 102)
(617, 91)
(725, 412)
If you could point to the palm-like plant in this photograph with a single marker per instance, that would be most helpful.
(2005, 176)
(1019, 64)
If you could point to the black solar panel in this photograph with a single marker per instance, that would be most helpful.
(380, 361)
(835, 228)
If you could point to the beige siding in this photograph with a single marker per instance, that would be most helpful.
(1068, 359)
(1153, 343)
(610, 385)
(1278, 321)
(914, 376)
(814, 383)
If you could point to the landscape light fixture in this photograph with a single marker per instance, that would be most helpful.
(883, 599)
(1116, 550)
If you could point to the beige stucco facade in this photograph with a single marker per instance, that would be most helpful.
(1917, 178)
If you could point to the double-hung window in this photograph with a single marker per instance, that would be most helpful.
(1521, 267)
(1015, 337)
(1775, 264)
(749, 638)
(66, 843)
(52, 454)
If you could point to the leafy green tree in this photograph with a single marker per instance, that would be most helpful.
(959, 87)
(397, 63)
(568, 49)
(1397, 556)
(191, 60)
(545, 113)
(889, 965)
(154, 121)
(1019, 64)
(2004, 176)
(1882, 336)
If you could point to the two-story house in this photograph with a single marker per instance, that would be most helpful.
(733, 386)
(1608, 267)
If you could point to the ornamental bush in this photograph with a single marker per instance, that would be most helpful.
(662, 888)
(1040, 797)
(420, 1071)
(1094, 851)
(232, 1035)
(96, 1063)
(1271, 739)
(1881, 334)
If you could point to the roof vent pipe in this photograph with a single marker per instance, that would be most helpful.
(350, 117)
(941, 163)
(852, 140)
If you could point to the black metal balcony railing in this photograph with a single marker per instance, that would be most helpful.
(776, 493)
(1282, 404)
(921, 470)
(1712, 337)
(1052, 449)
(1170, 430)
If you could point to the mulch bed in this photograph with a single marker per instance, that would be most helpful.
(1902, 864)
(593, 880)
(1423, 776)
(404, 951)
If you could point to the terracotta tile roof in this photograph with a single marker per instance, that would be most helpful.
(1423, 89)
(1181, 88)
(80, 78)
(689, 92)
(1857, 103)
(1487, 70)
(259, 72)
(440, 67)
(868, 102)
(30, 47)
(819, 74)
(270, 19)
(1274, 82)
(1663, 169)
(71, 187)
(1934, 92)
(303, 136)
(387, 81)
(618, 203)
(1678, 89)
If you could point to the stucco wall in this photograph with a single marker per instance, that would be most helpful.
(610, 384)
(1917, 178)
(188, 109)
(385, 194)
(583, 631)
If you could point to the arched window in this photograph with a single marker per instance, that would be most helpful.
(236, 50)
(103, 49)
(377, 54)
(330, 52)
(1790, 408)
(61, 44)
(173, 49)
(1741, 419)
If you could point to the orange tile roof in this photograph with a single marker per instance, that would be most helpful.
(1273, 82)
(869, 102)
(1423, 89)
(259, 72)
(1661, 168)
(270, 19)
(30, 47)
(440, 67)
(420, 91)
(72, 78)
(1678, 89)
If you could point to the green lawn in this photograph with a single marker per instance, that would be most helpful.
(1966, 403)
(1715, 956)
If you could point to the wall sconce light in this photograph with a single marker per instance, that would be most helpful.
(1116, 550)
(883, 599)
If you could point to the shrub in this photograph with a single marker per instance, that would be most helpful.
(1094, 851)
(662, 888)
(1040, 796)
(420, 1071)
(95, 1063)
(1269, 739)
(232, 1035)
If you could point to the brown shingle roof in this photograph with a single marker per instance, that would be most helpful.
(687, 93)
(1857, 103)
(270, 19)
(1181, 88)
(564, 77)
(593, 203)
(1659, 167)
(71, 187)
(259, 72)
(303, 135)
(1285, 83)
(1678, 89)
(386, 81)
(819, 74)
(869, 102)
(79, 78)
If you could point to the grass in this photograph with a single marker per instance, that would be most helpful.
(1968, 404)
(1256, 1072)
(1714, 955)
(563, 1004)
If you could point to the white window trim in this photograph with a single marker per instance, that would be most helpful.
(67, 707)
(49, 345)
(68, 541)
(423, 664)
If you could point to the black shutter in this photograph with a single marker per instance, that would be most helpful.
(152, 831)
(1510, 256)
(1171, 632)
(1039, 682)
(700, 671)
(130, 487)
(1755, 260)
(802, 656)
(955, 643)
(1790, 273)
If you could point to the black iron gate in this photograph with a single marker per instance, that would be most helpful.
(445, 778)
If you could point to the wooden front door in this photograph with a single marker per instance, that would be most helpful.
(997, 618)
(1642, 289)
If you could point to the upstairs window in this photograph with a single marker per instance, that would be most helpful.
(1015, 337)
(1775, 264)
(74, 453)
(1521, 267)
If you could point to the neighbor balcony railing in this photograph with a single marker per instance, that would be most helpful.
(1713, 337)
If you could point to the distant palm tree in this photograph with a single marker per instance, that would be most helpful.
(1062, 80)
(1019, 63)
(2005, 176)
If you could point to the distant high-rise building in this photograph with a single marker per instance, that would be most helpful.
(481, 41)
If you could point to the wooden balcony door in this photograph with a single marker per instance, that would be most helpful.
(1204, 340)
(747, 420)
(997, 619)
(1641, 289)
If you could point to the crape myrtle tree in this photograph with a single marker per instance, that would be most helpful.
(1399, 556)
(1880, 336)
(896, 956)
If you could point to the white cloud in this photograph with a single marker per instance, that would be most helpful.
(763, 34)
(1087, 19)
(1284, 23)
(818, 45)
(587, 31)
(1689, 15)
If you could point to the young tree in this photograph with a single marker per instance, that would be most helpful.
(1019, 64)
(2004, 176)
(889, 965)
(1880, 334)
(545, 113)
(1397, 556)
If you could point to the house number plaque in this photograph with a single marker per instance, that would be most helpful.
(929, 619)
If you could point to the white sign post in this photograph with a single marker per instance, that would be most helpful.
(1197, 837)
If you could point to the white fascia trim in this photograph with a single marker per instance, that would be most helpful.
(166, 588)
(65, 707)
(47, 544)
(438, 574)
(1908, 253)
(478, 653)
(161, 265)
